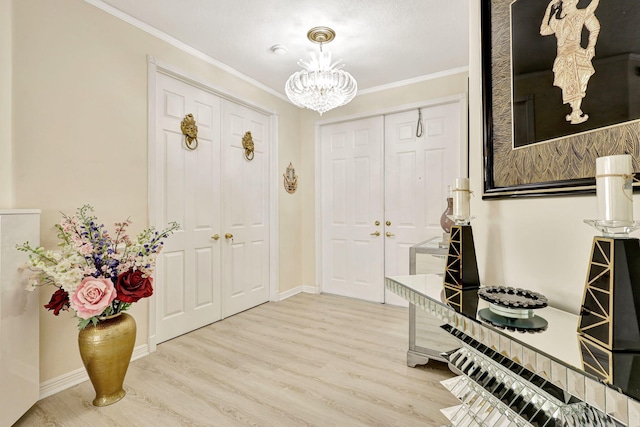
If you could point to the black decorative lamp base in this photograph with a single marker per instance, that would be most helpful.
(610, 311)
(622, 369)
(461, 270)
(462, 301)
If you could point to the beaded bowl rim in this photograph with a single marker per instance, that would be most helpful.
(499, 295)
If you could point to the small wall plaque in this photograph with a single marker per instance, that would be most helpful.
(290, 179)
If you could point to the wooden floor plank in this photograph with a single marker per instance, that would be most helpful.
(311, 360)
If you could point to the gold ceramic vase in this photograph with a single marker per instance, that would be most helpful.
(106, 352)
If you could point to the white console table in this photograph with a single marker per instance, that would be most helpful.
(19, 317)
(518, 379)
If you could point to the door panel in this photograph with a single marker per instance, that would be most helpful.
(204, 267)
(245, 259)
(435, 161)
(172, 296)
(417, 173)
(352, 203)
(187, 281)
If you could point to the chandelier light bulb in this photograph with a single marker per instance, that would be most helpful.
(321, 85)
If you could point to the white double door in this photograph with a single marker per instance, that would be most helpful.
(217, 263)
(383, 190)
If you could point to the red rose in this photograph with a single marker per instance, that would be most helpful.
(132, 285)
(59, 301)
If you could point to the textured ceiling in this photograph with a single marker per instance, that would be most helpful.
(381, 42)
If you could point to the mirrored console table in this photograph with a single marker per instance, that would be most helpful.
(427, 256)
(512, 378)
(427, 341)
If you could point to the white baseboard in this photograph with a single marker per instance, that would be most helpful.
(64, 381)
(309, 289)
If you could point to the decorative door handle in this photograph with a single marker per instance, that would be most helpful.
(388, 234)
(377, 233)
(215, 236)
(228, 236)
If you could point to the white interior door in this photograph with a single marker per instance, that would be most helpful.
(187, 284)
(245, 257)
(352, 204)
(402, 199)
(418, 170)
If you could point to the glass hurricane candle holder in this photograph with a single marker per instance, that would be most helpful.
(610, 228)
(461, 202)
(614, 192)
(461, 220)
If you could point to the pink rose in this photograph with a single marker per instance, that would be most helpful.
(92, 296)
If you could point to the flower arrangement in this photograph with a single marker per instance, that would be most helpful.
(97, 274)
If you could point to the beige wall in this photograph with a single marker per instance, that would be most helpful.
(289, 206)
(80, 86)
(374, 102)
(6, 154)
(540, 244)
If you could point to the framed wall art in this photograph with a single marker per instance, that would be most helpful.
(561, 87)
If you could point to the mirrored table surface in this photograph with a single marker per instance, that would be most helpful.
(559, 341)
(554, 354)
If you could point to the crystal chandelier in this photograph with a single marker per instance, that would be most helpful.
(322, 85)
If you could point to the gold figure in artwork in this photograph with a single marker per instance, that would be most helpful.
(572, 67)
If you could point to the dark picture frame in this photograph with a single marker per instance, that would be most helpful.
(563, 164)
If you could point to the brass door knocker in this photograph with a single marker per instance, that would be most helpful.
(190, 132)
(247, 144)
(290, 179)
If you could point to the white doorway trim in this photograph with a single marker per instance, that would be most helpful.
(460, 98)
(156, 66)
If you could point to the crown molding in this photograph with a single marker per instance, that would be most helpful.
(401, 83)
(182, 46)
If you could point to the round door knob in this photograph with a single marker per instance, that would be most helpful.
(215, 236)
(377, 233)
(388, 234)
(228, 236)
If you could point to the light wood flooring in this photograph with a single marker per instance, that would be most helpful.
(310, 360)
